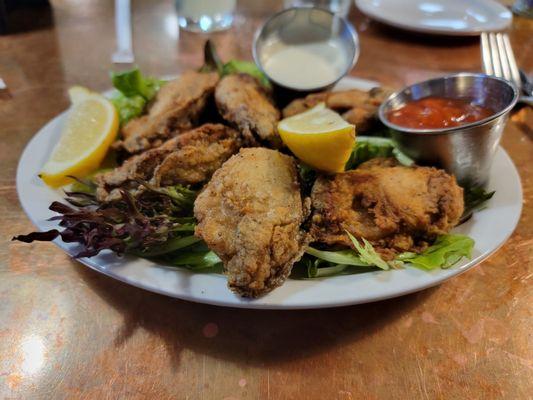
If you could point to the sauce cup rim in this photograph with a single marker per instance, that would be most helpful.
(354, 41)
(437, 131)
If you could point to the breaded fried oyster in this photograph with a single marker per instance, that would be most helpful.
(394, 207)
(250, 214)
(187, 159)
(243, 102)
(357, 107)
(175, 109)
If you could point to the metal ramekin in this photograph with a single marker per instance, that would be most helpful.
(302, 25)
(465, 151)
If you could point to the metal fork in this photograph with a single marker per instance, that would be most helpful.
(498, 59)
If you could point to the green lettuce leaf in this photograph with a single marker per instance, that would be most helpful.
(314, 270)
(133, 92)
(367, 148)
(213, 63)
(246, 67)
(446, 251)
(319, 264)
(194, 260)
(346, 257)
(367, 253)
(87, 184)
(127, 107)
(132, 83)
(169, 246)
(476, 199)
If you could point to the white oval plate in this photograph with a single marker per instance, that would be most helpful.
(490, 228)
(447, 17)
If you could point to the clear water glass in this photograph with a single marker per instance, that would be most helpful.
(338, 7)
(205, 15)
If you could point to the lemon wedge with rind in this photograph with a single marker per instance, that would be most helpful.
(319, 137)
(77, 94)
(90, 127)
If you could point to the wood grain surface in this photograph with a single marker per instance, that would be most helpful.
(67, 332)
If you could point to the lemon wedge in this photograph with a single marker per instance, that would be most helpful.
(90, 127)
(77, 94)
(319, 137)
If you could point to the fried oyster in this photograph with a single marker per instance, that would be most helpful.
(187, 159)
(175, 109)
(243, 102)
(394, 207)
(250, 214)
(357, 107)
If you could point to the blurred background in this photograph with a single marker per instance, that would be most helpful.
(82, 34)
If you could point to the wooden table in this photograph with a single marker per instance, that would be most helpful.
(69, 332)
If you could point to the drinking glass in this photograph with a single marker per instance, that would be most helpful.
(205, 15)
(338, 7)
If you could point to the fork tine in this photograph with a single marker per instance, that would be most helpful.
(504, 61)
(486, 58)
(495, 55)
(513, 67)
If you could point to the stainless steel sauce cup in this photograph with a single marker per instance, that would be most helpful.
(300, 25)
(465, 151)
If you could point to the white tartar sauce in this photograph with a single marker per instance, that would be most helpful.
(306, 65)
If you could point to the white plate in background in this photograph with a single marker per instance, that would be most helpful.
(446, 17)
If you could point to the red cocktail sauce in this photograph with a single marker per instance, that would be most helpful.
(438, 112)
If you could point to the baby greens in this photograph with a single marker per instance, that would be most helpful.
(245, 67)
(446, 251)
(309, 267)
(367, 148)
(134, 83)
(476, 199)
(213, 63)
(144, 222)
(367, 253)
(133, 92)
(345, 257)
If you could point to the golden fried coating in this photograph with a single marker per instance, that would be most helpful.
(243, 102)
(250, 214)
(394, 207)
(198, 155)
(298, 106)
(187, 159)
(176, 108)
(358, 107)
